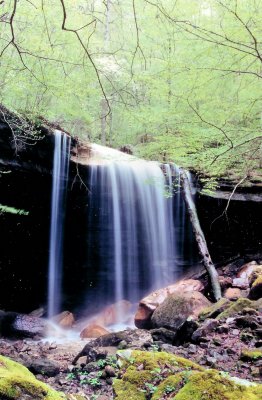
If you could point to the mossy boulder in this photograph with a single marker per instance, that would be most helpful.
(177, 308)
(159, 375)
(239, 306)
(215, 309)
(16, 383)
(251, 355)
(256, 289)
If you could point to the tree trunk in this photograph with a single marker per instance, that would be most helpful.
(200, 237)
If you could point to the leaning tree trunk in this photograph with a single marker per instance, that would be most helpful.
(200, 237)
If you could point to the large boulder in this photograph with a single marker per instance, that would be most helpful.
(132, 338)
(177, 308)
(110, 315)
(14, 325)
(93, 331)
(149, 303)
(65, 319)
(242, 279)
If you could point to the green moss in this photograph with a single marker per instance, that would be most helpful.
(214, 309)
(161, 375)
(210, 385)
(16, 381)
(137, 377)
(154, 360)
(251, 355)
(170, 386)
(126, 390)
(237, 307)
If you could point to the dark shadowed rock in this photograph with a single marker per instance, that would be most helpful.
(208, 326)
(134, 338)
(42, 366)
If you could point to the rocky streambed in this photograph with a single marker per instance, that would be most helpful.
(189, 350)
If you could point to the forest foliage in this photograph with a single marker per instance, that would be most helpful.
(177, 80)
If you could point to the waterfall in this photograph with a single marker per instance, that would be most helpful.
(59, 186)
(134, 226)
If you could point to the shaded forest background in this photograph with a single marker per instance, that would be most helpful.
(177, 80)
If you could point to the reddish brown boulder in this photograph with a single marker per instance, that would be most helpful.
(246, 270)
(233, 293)
(149, 303)
(65, 319)
(112, 314)
(93, 331)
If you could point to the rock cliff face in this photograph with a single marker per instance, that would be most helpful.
(26, 182)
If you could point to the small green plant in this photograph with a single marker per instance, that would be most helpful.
(110, 360)
(150, 388)
(156, 371)
(71, 376)
(169, 389)
(94, 382)
(154, 347)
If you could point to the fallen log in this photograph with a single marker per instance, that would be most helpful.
(199, 235)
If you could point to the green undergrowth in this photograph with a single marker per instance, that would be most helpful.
(16, 383)
(156, 376)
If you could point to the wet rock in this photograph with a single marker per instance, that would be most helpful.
(110, 371)
(177, 308)
(93, 331)
(65, 319)
(247, 321)
(163, 335)
(184, 334)
(14, 325)
(91, 367)
(149, 303)
(135, 338)
(37, 313)
(43, 366)
(208, 326)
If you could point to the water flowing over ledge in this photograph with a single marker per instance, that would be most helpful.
(59, 188)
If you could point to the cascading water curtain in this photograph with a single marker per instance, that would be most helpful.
(132, 227)
(59, 188)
